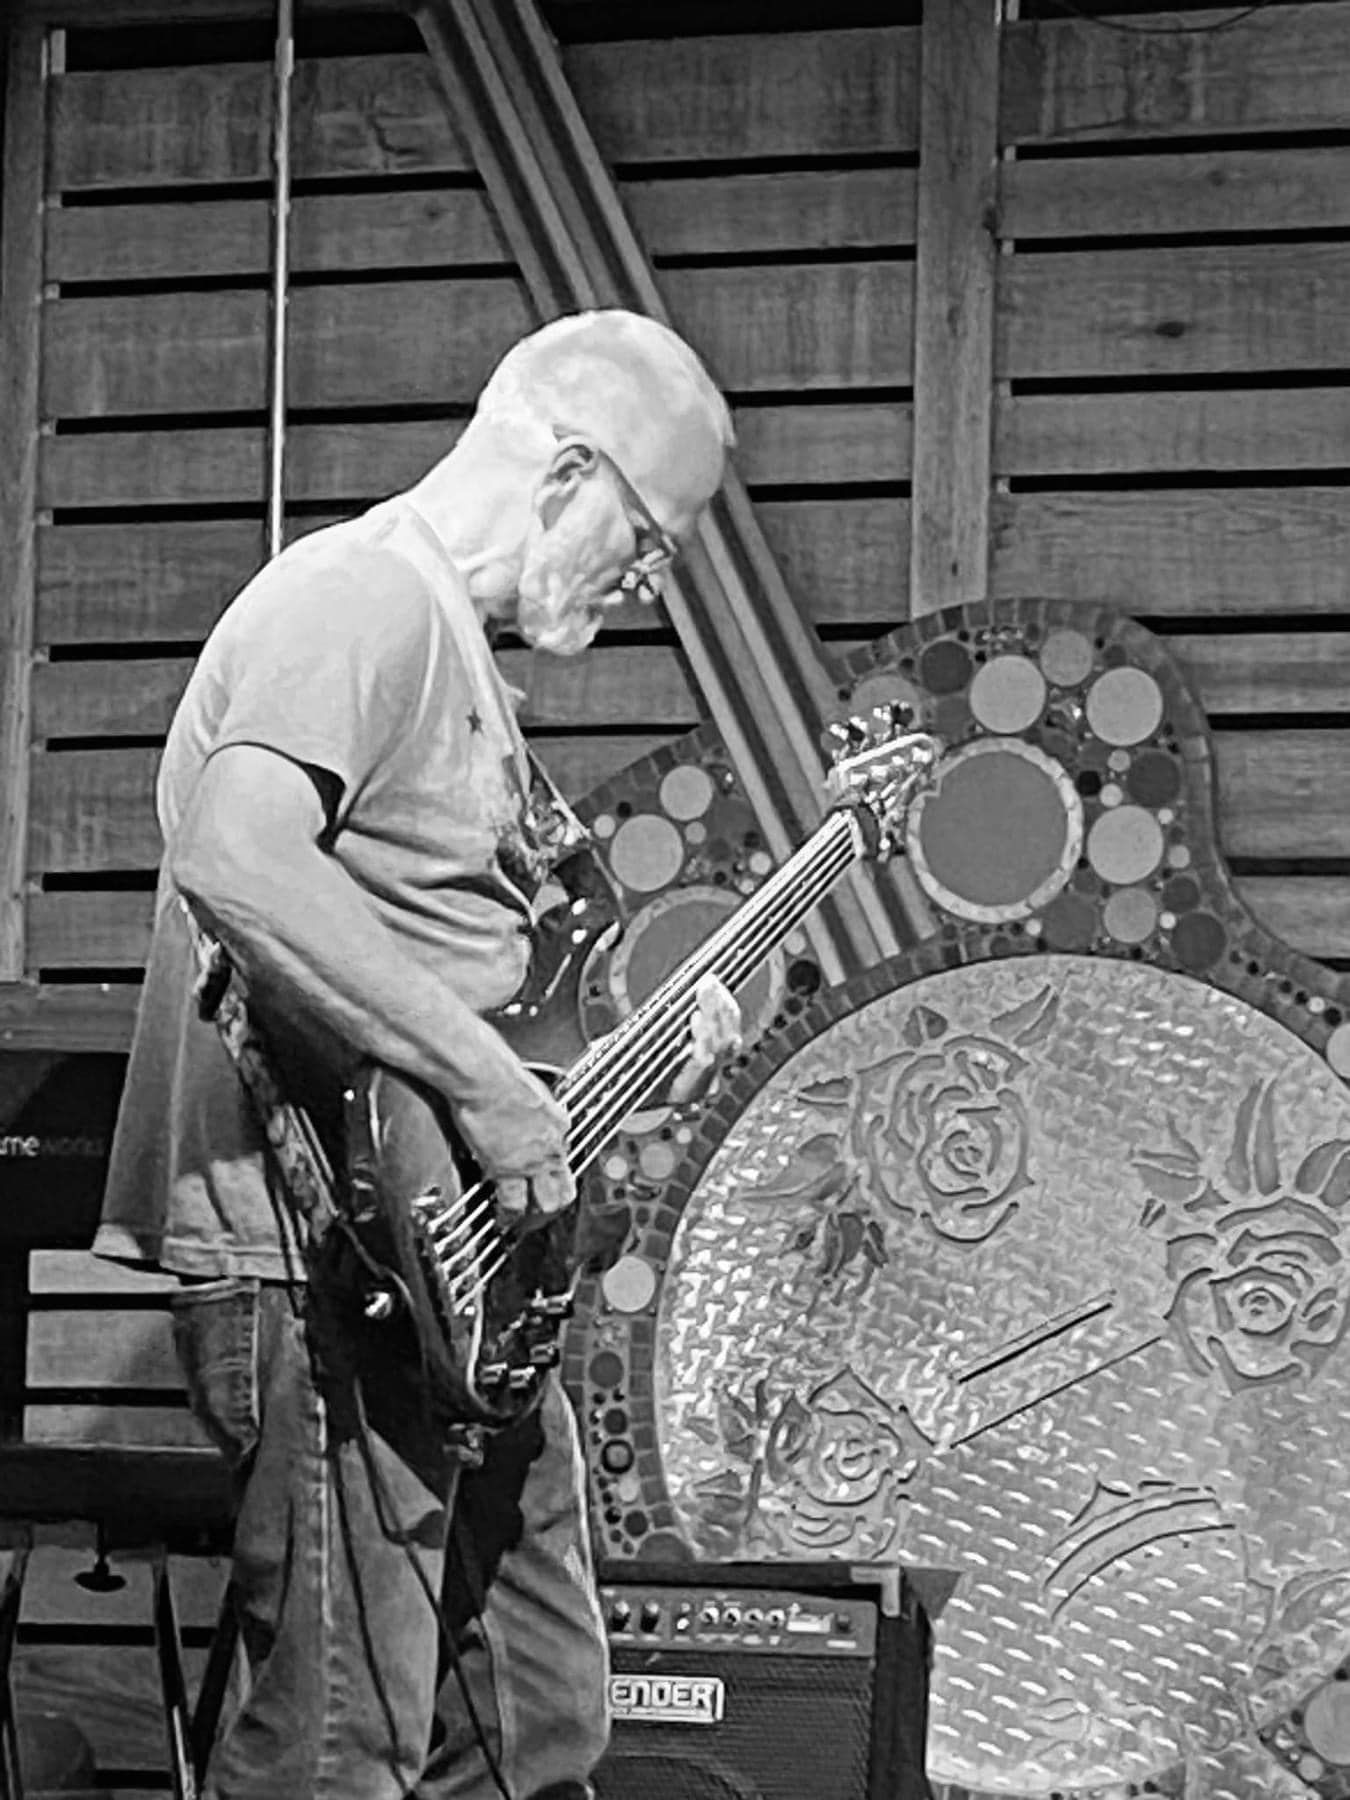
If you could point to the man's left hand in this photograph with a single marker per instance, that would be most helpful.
(714, 1035)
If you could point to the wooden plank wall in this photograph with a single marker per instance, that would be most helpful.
(1169, 371)
(1172, 404)
(1169, 415)
(772, 178)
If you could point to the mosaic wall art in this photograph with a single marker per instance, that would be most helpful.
(1025, 1255)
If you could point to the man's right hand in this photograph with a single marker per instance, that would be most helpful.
(517, 1134)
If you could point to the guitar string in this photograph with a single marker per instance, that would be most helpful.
(786, 883)
(739, 959)
(766, 930)
(662, 1058)
(736, 958)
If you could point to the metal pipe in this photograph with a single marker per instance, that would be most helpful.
(283, 69)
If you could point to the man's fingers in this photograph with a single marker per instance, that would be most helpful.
(715, 1027)
(553, 1188)
(513, 1195)
(548, 1190)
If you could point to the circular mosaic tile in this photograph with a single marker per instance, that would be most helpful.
(998, 834)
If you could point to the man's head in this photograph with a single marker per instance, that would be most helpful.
(625, 437)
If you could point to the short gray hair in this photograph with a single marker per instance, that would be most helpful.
(625, 382)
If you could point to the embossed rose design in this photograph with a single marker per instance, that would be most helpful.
(848, 1458)
(956, 1112)
(1261, 1287)
(937, 1130)
(1263, 1294)
(827, 1473)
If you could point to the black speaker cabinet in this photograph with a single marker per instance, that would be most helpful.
(765, 1681)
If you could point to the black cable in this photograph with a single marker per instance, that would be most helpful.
(396, 1535)
(1163, 31)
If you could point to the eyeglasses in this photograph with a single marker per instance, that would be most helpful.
(655, 549)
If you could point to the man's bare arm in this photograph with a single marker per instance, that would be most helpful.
(249, 855)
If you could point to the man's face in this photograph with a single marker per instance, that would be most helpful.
(589, 533)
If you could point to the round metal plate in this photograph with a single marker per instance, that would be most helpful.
(1037, 1269)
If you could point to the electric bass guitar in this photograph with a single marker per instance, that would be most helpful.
(408, 1238)
(420, 1238)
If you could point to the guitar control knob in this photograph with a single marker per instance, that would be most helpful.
(379, 1306)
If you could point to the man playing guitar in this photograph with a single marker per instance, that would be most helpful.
(345, 802)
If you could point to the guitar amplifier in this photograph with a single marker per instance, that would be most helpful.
(767, 1681)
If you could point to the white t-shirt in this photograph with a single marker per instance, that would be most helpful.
(357, 652)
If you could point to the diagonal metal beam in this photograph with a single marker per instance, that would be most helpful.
(753, 656)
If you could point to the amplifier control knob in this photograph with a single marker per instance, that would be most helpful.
(731, 1617)
(843, 1625)
(619, 1615)
(754, 1618)
(775, 1618)
(709, 1617)
(651, 1616)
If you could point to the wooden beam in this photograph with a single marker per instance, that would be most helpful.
(1191, 552)
(954, 304)
(413, 228)
(1195, 432)
(1285, 68)
(1180, 310)
(1174, 195)
(71, 14)
(20, 348)
(778, 329)
(782, 95)
(752, 654)
(68, 1017)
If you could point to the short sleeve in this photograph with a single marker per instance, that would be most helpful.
(326, 663)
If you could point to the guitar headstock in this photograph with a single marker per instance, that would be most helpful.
(880, 764)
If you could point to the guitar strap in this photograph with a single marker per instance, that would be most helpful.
(300, 1159)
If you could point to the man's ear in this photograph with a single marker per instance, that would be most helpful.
(571, 465)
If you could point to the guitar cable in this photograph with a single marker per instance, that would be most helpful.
(396, 1535)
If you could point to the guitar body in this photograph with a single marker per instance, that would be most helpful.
(417, 1244)
(418, 1252)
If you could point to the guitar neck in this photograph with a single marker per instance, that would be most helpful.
(638, 1057)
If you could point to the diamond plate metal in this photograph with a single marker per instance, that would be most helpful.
(1037, 1269)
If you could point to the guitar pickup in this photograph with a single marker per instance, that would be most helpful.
(551, 1306)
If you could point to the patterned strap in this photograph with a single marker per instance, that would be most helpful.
(304, 1168)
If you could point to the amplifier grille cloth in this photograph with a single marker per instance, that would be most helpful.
(795, 1728)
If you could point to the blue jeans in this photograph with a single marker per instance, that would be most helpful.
(352, 1534)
